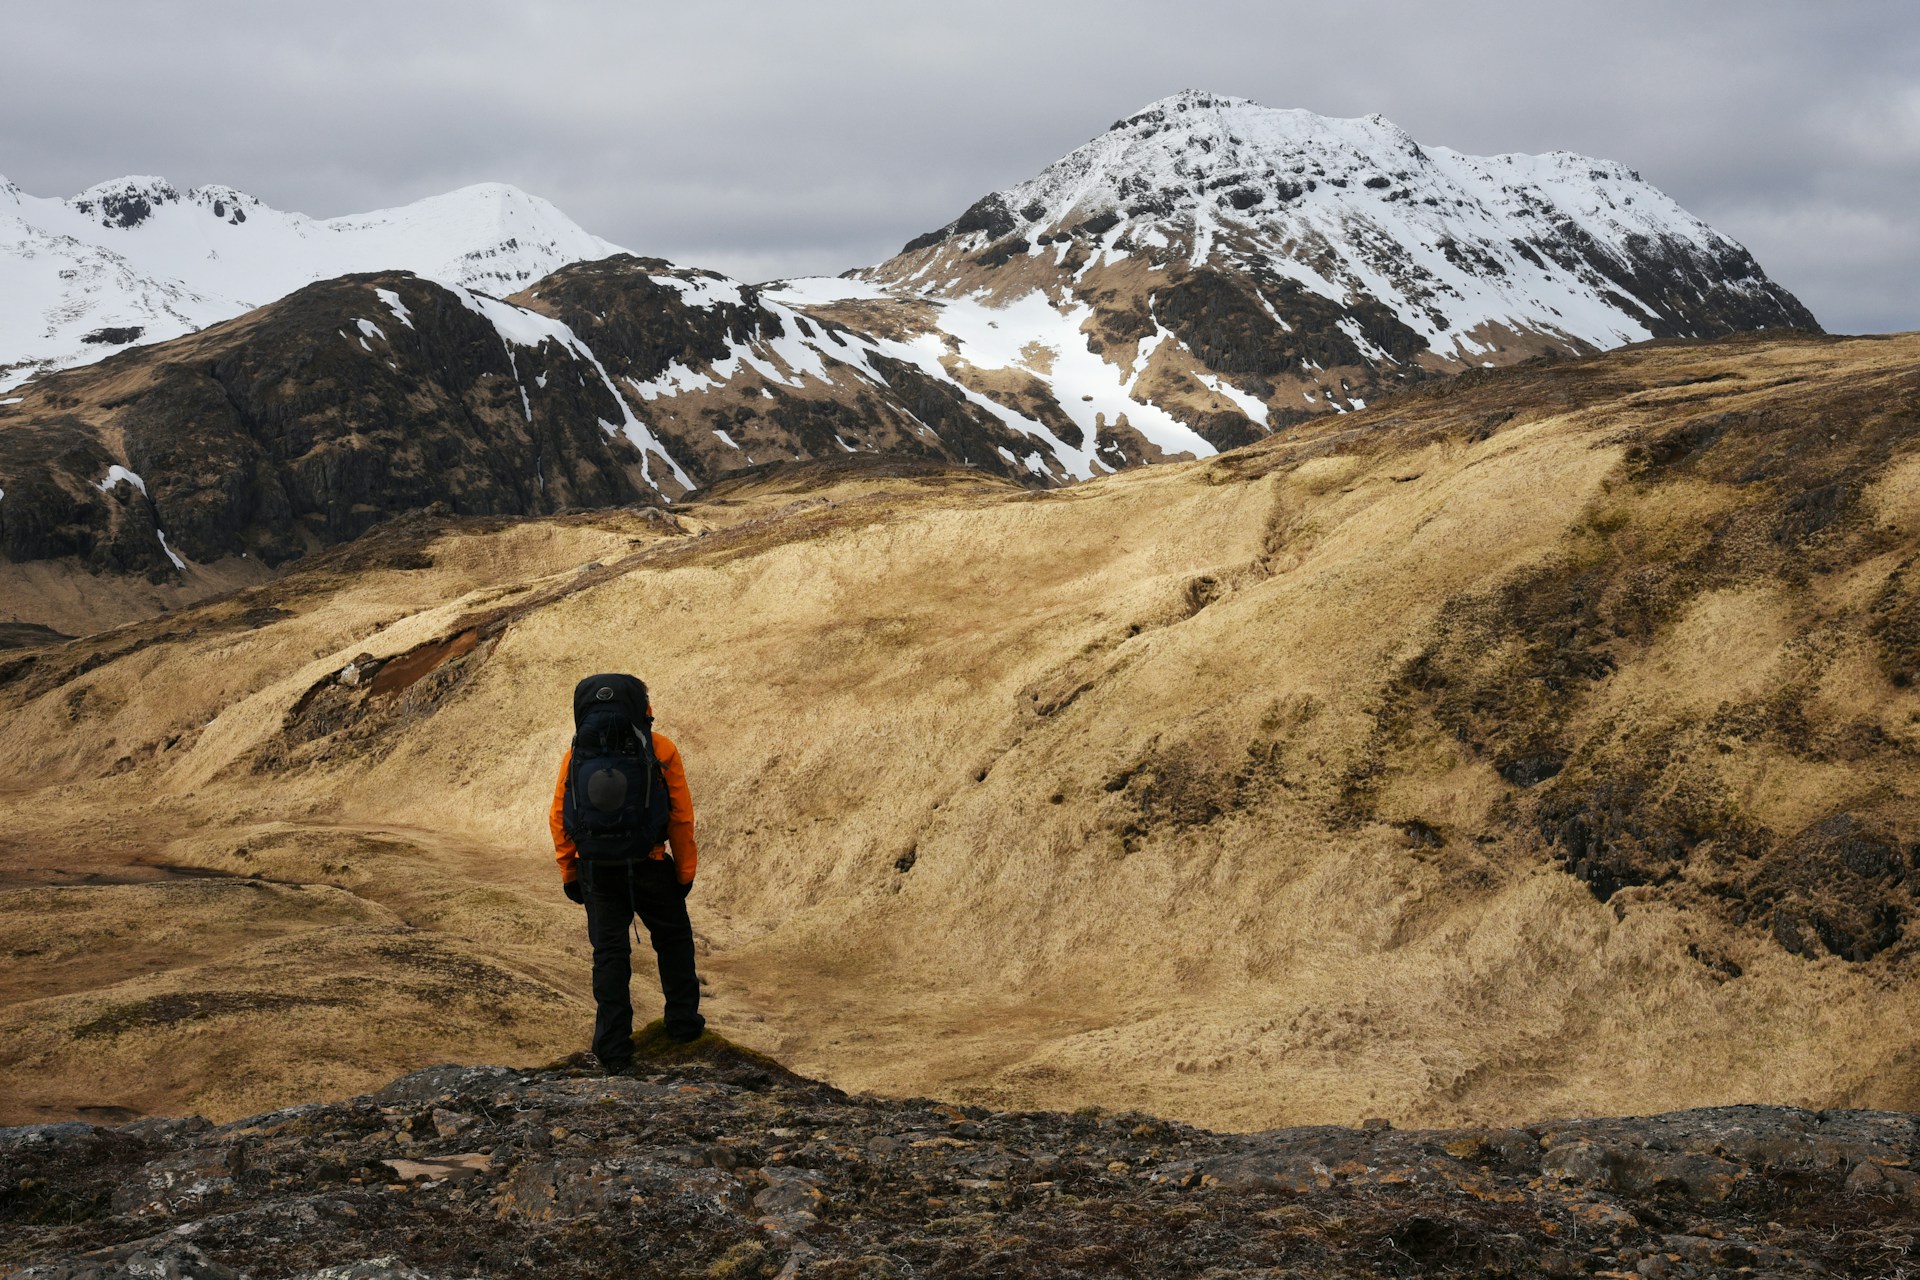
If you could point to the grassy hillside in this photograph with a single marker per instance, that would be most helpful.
(1541, 743)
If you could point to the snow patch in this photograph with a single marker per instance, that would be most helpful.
(178, 563)
(677, 379)
(116, 473)
(820, 290)
(1090, 391)
(396, 306)
(1251, 405)
(703, 291)
(526, 405)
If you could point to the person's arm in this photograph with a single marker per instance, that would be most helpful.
(686, 854)
(564, 851)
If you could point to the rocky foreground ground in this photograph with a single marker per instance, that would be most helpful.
(715, 1162)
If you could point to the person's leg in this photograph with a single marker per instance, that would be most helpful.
(609, 913)
(664, 912)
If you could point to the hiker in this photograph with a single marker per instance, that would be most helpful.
(621, 800)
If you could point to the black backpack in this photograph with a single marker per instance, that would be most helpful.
(616, 806)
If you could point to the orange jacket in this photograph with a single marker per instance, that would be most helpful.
(686, 855)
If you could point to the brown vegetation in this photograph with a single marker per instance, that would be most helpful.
(1540, 742)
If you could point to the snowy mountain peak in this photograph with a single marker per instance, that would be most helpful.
(1450, 256)
(1196, 157)
(485, 199)
(1196, 151)
(1175, 103)
(1235, 267)
(134, 260)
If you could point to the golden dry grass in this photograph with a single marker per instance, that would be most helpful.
(1116, 732)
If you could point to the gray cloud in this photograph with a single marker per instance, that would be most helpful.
(769, 139)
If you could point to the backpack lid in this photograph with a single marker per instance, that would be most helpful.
(624, 692)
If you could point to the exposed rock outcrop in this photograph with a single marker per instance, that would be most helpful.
(716, 1162)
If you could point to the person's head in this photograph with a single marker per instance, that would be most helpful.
(629, 693)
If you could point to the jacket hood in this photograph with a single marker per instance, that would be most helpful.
(623, 691)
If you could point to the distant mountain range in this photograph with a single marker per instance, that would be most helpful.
(1205, 273)
(138, 261)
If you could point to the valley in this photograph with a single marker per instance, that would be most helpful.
(1536, 742)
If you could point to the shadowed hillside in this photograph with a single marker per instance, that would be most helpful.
(1540, 743)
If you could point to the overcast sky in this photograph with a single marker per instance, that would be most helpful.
(769, 139)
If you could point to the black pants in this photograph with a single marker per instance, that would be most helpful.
(615, 893)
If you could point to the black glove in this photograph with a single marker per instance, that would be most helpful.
(574, 891)
(686, 889)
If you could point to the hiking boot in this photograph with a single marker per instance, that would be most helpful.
(618, 1068)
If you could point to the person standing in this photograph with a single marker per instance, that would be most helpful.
(620, 803)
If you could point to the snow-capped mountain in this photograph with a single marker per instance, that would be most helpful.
(1204, 274)
(1239, 265)
(137, 261)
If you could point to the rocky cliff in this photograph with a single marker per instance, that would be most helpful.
(298, 427)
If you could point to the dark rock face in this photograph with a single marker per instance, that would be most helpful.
(988, 214)
(114, 337)
(969, 432)
(1229, 322)
(718, 1162)
(55, 504)
(129, 206)
(1679, 292)
(293, 428)
(640, 326)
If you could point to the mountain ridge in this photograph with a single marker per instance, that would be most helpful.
(1207, 274)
